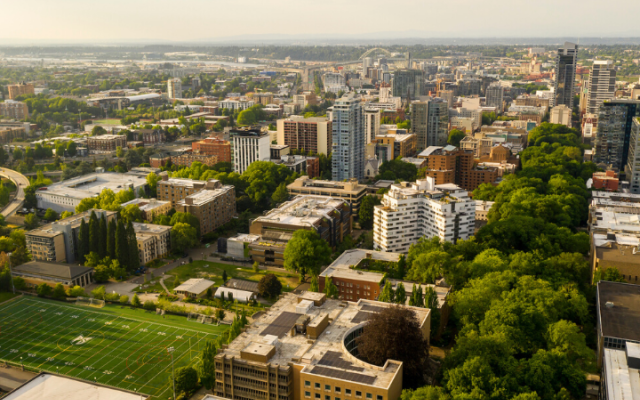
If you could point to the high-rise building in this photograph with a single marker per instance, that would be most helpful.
(410, 211)
(213, 146)
(249, 145)
(174, 88)
(601, 86)
(20, 89)
(408, 83)
(495, 95)
(367, 63)
(613, 135)
(561, 115)
(632, 168)
(565, 74)
(213, 206)
(430, 122)
(308, 134)
(14, 109)
(371, 124)
(348, 139)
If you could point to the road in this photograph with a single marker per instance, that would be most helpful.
(21, 182)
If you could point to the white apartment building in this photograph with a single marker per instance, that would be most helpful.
(249, 146)
(234, 105)
(334, 82)
(371, 124)
(601, 86)
(410, 211)
(474, 114)
(348, 139)
(632, 169)
(174, 88)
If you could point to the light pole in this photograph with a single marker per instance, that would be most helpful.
(11, 275)
(173, 375)
(21, 363)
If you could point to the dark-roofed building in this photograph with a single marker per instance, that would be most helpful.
(37, 272)
(241, 284)
(618, 306)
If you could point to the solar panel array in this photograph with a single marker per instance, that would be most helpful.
(344, 375)
(281, 325)
(334, 359)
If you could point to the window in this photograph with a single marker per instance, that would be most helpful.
(317, 385)
(379, 397)
(358, 393)
(347, 392)
(307, 394)
(337, 389)
(327, 397)
(327, 388)
(317, 395)
(369, 396)
(307, 384)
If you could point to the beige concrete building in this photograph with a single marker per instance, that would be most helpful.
(188, 159)
(106, 143)
(11, 130)
(214, 206)
(150, 207)
(154, 241)
(20, 89)
(351, 191)
(305, 347)
(58, 241)
(560, 115)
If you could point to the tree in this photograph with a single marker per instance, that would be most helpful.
(365, 213)
(77, 291)
(402, 266)
(50, 215)
(401, 294)
(94, 233)
(149, 305)
(124, 299)
(133, 261)
(183, 236)
(44, 290)
(58, 292)
(256, 267)
(607, 274)
(281, 194)
(71, 148)
(207, 370)
(306, 252)
(111, 238)
(431, 302)
(122, 244)
(387, 295)
(455, 137)
(330, 289)
(269, 286)
(426, 393)
(4, 194)
(186, 218)
(104, 238)
(99, 293)
(186, 380)
(394, 333)
(135, 301)
(131, 213)
(152, 182)
(31, 221)
(119, 152)
(98, 130)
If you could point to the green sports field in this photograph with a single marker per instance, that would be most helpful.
(99, 344)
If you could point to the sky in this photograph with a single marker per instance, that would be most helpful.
(209, 20)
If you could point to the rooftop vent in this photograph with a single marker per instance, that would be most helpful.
(609, 304)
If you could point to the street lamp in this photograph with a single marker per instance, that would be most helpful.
(173, 375)
(21, 363)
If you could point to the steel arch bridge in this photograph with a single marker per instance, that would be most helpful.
(366, 54)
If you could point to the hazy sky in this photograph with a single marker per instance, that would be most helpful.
(183, 20)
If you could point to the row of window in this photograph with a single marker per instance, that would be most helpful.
(337, 390)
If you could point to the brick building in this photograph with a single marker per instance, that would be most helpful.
(213, 146)
(106, 143)
(214, 206)
(187, 159)
(607, 180)
(14, 109)
(308, 134)
(150, 136)
(20, 89)
(450, 165)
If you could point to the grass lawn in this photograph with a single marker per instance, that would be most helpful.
(115, 346)
(213, 271)
(107, 121)
(4, 296)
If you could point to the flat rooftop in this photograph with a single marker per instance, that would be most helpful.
(204, 196)
(146, 204)
(92, 185)
(50, 269)
(52, 229)
(185, 182)
(341, 267)
(304, 210)
(622, 381)
(54, 387)
(325, 356)
(622, 319)
(142, 228)
(616, 221)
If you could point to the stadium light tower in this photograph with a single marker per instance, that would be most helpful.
(173, 375)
